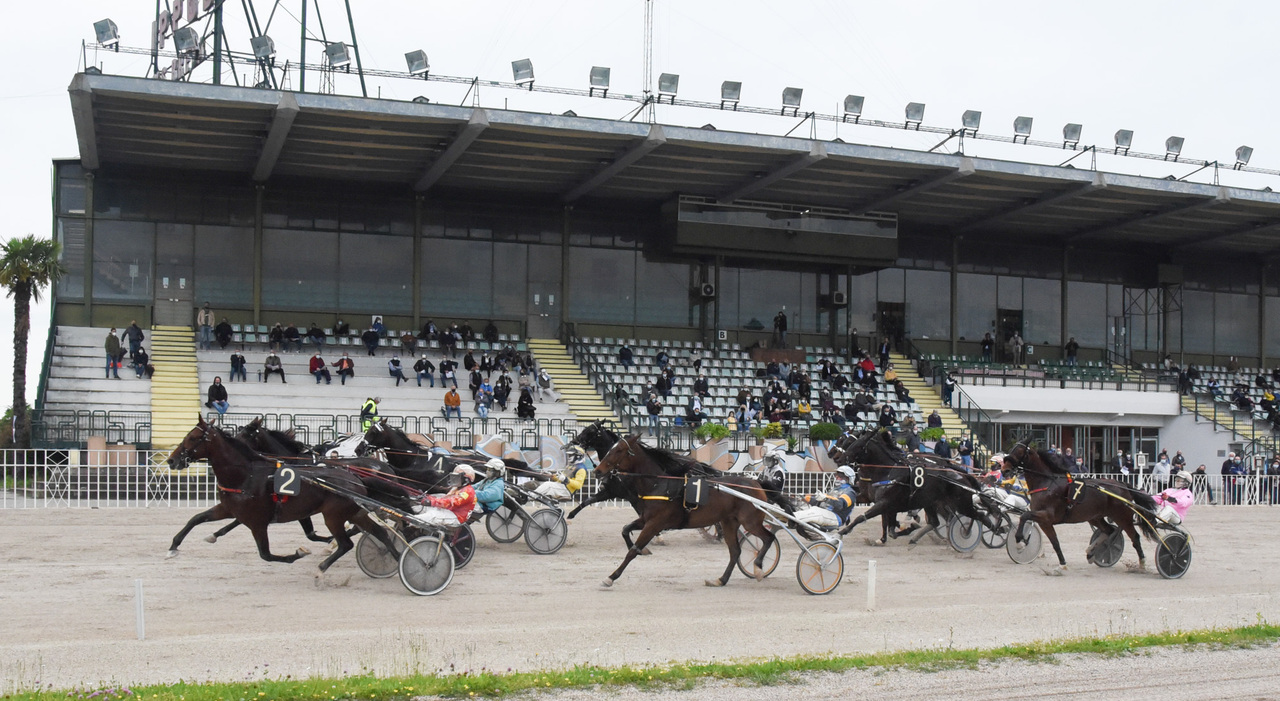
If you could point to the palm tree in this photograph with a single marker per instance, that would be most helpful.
(27, 266)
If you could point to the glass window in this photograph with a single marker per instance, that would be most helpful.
(1087, 313)
(727, 298)
(510, 279)
(928, 295)
(299, 270)
(457, 278)
(1009, 292)
(1042, 312)
(762, 293)
(602, 285)
(662, 294)
(123, 257)
(71, 195)
(375, 274)
(1197, 321)
(1273, 327)
(975, 305)
(1235, 324)
(224, 266)
(862, 302)
(890, 285)
(71, 238)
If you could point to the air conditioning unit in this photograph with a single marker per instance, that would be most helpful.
(708, 290)
(839, 298)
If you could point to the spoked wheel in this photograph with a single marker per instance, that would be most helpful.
(712, 533)
(995, 539)
(1106, 548)
(505, 524)
(426, 566)
(820, 568)
(750, 545)
(1173, 555)
(546, 531)
(964, 533)
(1023, 553)
(463, 544)
(374, 559)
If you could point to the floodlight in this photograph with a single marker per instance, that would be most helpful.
(731, 92)
(338, 55)
(970, 120)
(522, 70)
(1022, 128)
(421, 100)
(599, 80)
(263, 47)
(791, 99)
(915, 114)
(187, 40)
(668, 85)
(853, 108)
(1243, 154)
(417, 62)
(1172, 147)
(108, 33)
(1124, 139)
(1071, 135)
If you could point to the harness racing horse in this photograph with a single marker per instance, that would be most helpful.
(894, 481)
(1058, 497)
(418, 465)
(659, 478)
(246, 477)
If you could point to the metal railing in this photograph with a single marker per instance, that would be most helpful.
(50, 342)
(460, 433)
(65, 428)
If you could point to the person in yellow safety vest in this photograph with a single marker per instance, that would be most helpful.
(369, 413)
(562, 486)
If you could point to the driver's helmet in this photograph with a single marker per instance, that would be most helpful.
(462, 475)
(846, 472)
(573, 454)
(495, 468)
(1183, 478)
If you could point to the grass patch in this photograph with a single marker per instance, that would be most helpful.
(680, 676)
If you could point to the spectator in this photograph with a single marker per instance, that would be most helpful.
(1268, 404)
(424, 368)
(238, 367)
(465, 331)
(346, 367)
(884, 352)
(484, 402)
(474, 380)
(965, 449)
(662, 359)
(394, 370)
(1015, 348)
(1200, 477)
(772, 369)
(1214, 388)
(273, 365)
(1240, 397)
(942, 448)
(694, 412)
(452, 403)
(276, 338)
(780, 328)
(469, 362)
(317, 336)
(1178, 462)
(341, 328)
(448, 370)
(370, 340)
(654, 407)
(948, 388)
(1160, 472)
(428, 332)
(204, 322)
(695, 359)
(524, 407)
(701, 387)
(855, 348)
(142, 364)
(449, 343)
(935, 420)
(545, 390)
(988, 345)
(486, 365)
(377, 327)
(663, 385)
(490, 333)
(1073, 349)
(112, 348)
(888, 417)
(1229, 479)
(501, 392)
(625, 356)
(900, 390)
(890, 374)
(369, 413)
(1233, 365)
(223, 333)
(1184, 383)
(134, 336)
(320, 370)
(1260, 381)
(218, 397)
(804, 409)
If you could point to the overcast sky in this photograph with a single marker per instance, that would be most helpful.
(1193, 69)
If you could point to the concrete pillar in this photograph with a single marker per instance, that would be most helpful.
(258, 191)
(88, 248)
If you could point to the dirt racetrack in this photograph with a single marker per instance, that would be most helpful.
(218, 612)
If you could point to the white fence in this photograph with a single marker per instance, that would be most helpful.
(141, 478)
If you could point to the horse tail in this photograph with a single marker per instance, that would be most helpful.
(1146, 511)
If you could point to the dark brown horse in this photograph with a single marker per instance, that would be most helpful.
(1059, 497)
(246, 477)
(658, 477)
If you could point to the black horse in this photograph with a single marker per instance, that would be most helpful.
(895, 482)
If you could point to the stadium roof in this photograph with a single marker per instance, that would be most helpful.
(259, 134)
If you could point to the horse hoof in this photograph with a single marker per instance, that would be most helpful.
(1055, 571)
(211, 539)
(645, 552)
(303, 552)
(875, 543)
(171, 554)
(657, 540)
(714, 583)
(1138, 568)
(758, 574)
(606, 583)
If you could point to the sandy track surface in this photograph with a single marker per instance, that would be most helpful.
(218, 612)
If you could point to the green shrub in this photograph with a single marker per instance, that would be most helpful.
(770, 430)
(824, 432)
(931, 434)
(711, 432)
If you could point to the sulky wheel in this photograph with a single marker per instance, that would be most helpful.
(1173, 555)
(505, 524)
(426, 566)
(995, 539)
(1105, 549)
(820, 568)
(463, 544)
(1023, 553)
(546, 531)
(750, 545)
(373, 558)
(964, 533)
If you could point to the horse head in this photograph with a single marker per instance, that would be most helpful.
(194, 446)
(621, 457)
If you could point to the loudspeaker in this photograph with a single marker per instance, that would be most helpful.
(708, 290)
(839, 299)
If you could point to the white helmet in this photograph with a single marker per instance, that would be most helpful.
(846, 471)
(495, 465)
(1182, 476)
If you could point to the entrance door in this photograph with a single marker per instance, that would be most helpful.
(891, 322)
(172, 303)
(1008, 322)
(1120, 345)
(543, 305)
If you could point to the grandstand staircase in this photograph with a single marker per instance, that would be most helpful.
(930, 398)
(569, 381)
(175, 389)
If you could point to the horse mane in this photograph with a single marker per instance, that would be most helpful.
(1053, 461)
(669, 461)
(247, 452)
